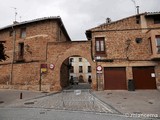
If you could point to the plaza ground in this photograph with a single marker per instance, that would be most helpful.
(114, 104)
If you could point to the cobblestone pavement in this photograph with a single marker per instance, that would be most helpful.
(76, 100)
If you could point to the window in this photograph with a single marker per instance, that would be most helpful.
(72, 69)
(138, 19)
(11, 33)
(138, 40)
(89, 69)
(71, 60)
(100, 45)
(80, 69)
(150, 41)
(21, 50)
(23, 33)
(157, 19)
(80, 59)
(158, 43)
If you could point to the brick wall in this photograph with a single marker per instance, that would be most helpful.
(116, 35)
(116, 40)
(26, 74)
(46, 42)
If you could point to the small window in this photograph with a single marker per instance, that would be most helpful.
(138, 19)
(158, 43)
(100, 45)
(21, 50)
(157, 19)
(150, 41)
(89, 69)
(23, 33)
(138, 40)
(80, 69)
(71, 60)
(11, 33)
(72, 69)
(80, 59)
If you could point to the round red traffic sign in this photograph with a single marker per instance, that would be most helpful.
(51, 66)
(99, 68)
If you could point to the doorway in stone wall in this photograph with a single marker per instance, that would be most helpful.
(75, 73)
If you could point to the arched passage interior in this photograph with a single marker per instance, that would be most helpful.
(77, 67)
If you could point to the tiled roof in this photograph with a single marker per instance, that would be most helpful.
(152, 13)
(37, 20)
(31, 21)
(146, 14)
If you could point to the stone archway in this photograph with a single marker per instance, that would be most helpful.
(67, 49)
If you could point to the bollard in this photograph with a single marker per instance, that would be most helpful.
(21, 95)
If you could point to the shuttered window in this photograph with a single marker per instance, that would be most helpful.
(100, 45)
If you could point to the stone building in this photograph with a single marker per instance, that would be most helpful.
(127, 51)
(39, 52)
(80, 68)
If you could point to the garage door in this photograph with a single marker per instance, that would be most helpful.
(143, 78)
(115, 79)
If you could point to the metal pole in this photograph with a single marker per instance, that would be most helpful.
(21, 95)
(40, 80)
(97, 76)
(13, 54)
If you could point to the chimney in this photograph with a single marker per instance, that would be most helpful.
(108, 20)
(15, 22)
(137, 9)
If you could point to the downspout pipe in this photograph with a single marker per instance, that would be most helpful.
(13, 55)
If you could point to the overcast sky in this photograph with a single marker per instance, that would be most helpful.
(77, 15)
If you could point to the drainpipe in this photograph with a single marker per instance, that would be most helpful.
(96, 75)
(40, 81)
(46, 51)
(13, 54)
(91, 51)
(92, 56)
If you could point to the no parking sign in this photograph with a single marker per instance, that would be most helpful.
(51, 66)
(99, 69)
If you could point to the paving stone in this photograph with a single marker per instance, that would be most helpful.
(68, 100)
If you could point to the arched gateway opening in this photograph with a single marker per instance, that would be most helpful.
(76, 73)
(60, 54)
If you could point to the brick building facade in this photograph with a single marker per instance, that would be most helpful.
(127, 50)
(32, 45)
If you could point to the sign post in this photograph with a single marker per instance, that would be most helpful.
(99, 69)
(99, 77)
(43, 69)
